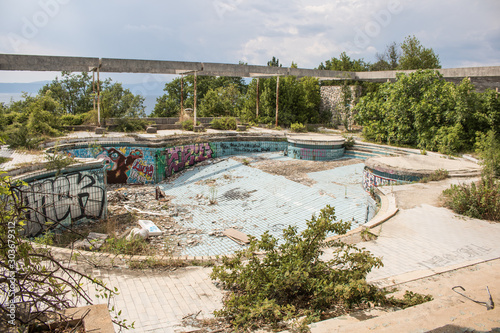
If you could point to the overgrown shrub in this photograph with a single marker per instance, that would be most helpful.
(131, 124)
(73, 119)
(298, 128)
(481, 200)
(437, 175)
(291, 280)
(488, 147)
(20, 137)
(224, 123)
(187, 125)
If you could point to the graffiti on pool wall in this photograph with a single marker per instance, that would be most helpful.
(117, 164)
(72, 196)
(184, 156)
(142, 172)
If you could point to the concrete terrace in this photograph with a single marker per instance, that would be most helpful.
(425, 248)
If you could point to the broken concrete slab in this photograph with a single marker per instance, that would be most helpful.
(237, 236)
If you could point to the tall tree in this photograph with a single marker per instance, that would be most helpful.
(389, 60)
(415, 56)
(274, 62)
(345, 63)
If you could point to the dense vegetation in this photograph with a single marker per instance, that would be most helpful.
(291, 280)
(67, 101)
(423, 110)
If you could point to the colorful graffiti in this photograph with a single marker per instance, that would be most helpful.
(178, 158)
(70, 197)
(123, 164)
(370, 180)
(117, 164)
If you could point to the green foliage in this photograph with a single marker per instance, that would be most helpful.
(73, 92)
(389, 60)
(188, 125)
(299, 101)
(424, 111)
(131, 124)
(415, 56)
(222, 101)
(481, 200)
(435, 176)
(224, 123)
(298, 128)
(291, 280)
(73, 120)
(58, 161)
(488, 147)
(349, 142)
(409, 299)
(17, 136)
(345, 63)
(168, 105)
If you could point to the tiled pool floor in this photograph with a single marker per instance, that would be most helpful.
(254, 201)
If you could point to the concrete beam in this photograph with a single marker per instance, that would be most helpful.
(16, 62)
(482, 77)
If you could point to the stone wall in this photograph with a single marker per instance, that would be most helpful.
(332, 99)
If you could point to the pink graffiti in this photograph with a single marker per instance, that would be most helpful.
(180, 157)
(147, 170)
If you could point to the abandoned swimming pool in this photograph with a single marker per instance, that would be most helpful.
(228, 193)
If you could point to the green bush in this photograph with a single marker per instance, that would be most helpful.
(291, 280)
(136, 245)
(224, 123)
(131, 124)
(187, 125)
(481, 200)
(298, 128)
(437, 175)
(488, 147)
(72, 119)
(19, 137)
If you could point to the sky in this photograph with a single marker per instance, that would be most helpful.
(464, 33)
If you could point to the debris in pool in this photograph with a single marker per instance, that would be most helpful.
(237, 236)
(151, 227)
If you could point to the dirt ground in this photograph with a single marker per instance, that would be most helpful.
(296, 170)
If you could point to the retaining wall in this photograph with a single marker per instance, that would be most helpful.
(76, 194)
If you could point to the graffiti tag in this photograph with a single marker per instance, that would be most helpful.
(181, 157)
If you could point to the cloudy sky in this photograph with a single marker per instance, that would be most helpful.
(463, 33)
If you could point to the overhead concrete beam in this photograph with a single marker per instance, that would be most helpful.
(16, 62)
(482, 77)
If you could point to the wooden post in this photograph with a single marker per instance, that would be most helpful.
(98, 96)
(182, 97)
(194, 124)
(277, 98)
(257, 113)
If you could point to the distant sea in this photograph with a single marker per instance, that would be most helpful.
(149, 101)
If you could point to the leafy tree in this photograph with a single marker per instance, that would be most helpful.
(415, 56)
(299, 101)
(274, 62)
(423, 110)
(291, 280)
(389, 60)
(117, 102)
(223, 101)
(169, 104)
(344, 63)
(72, 91)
